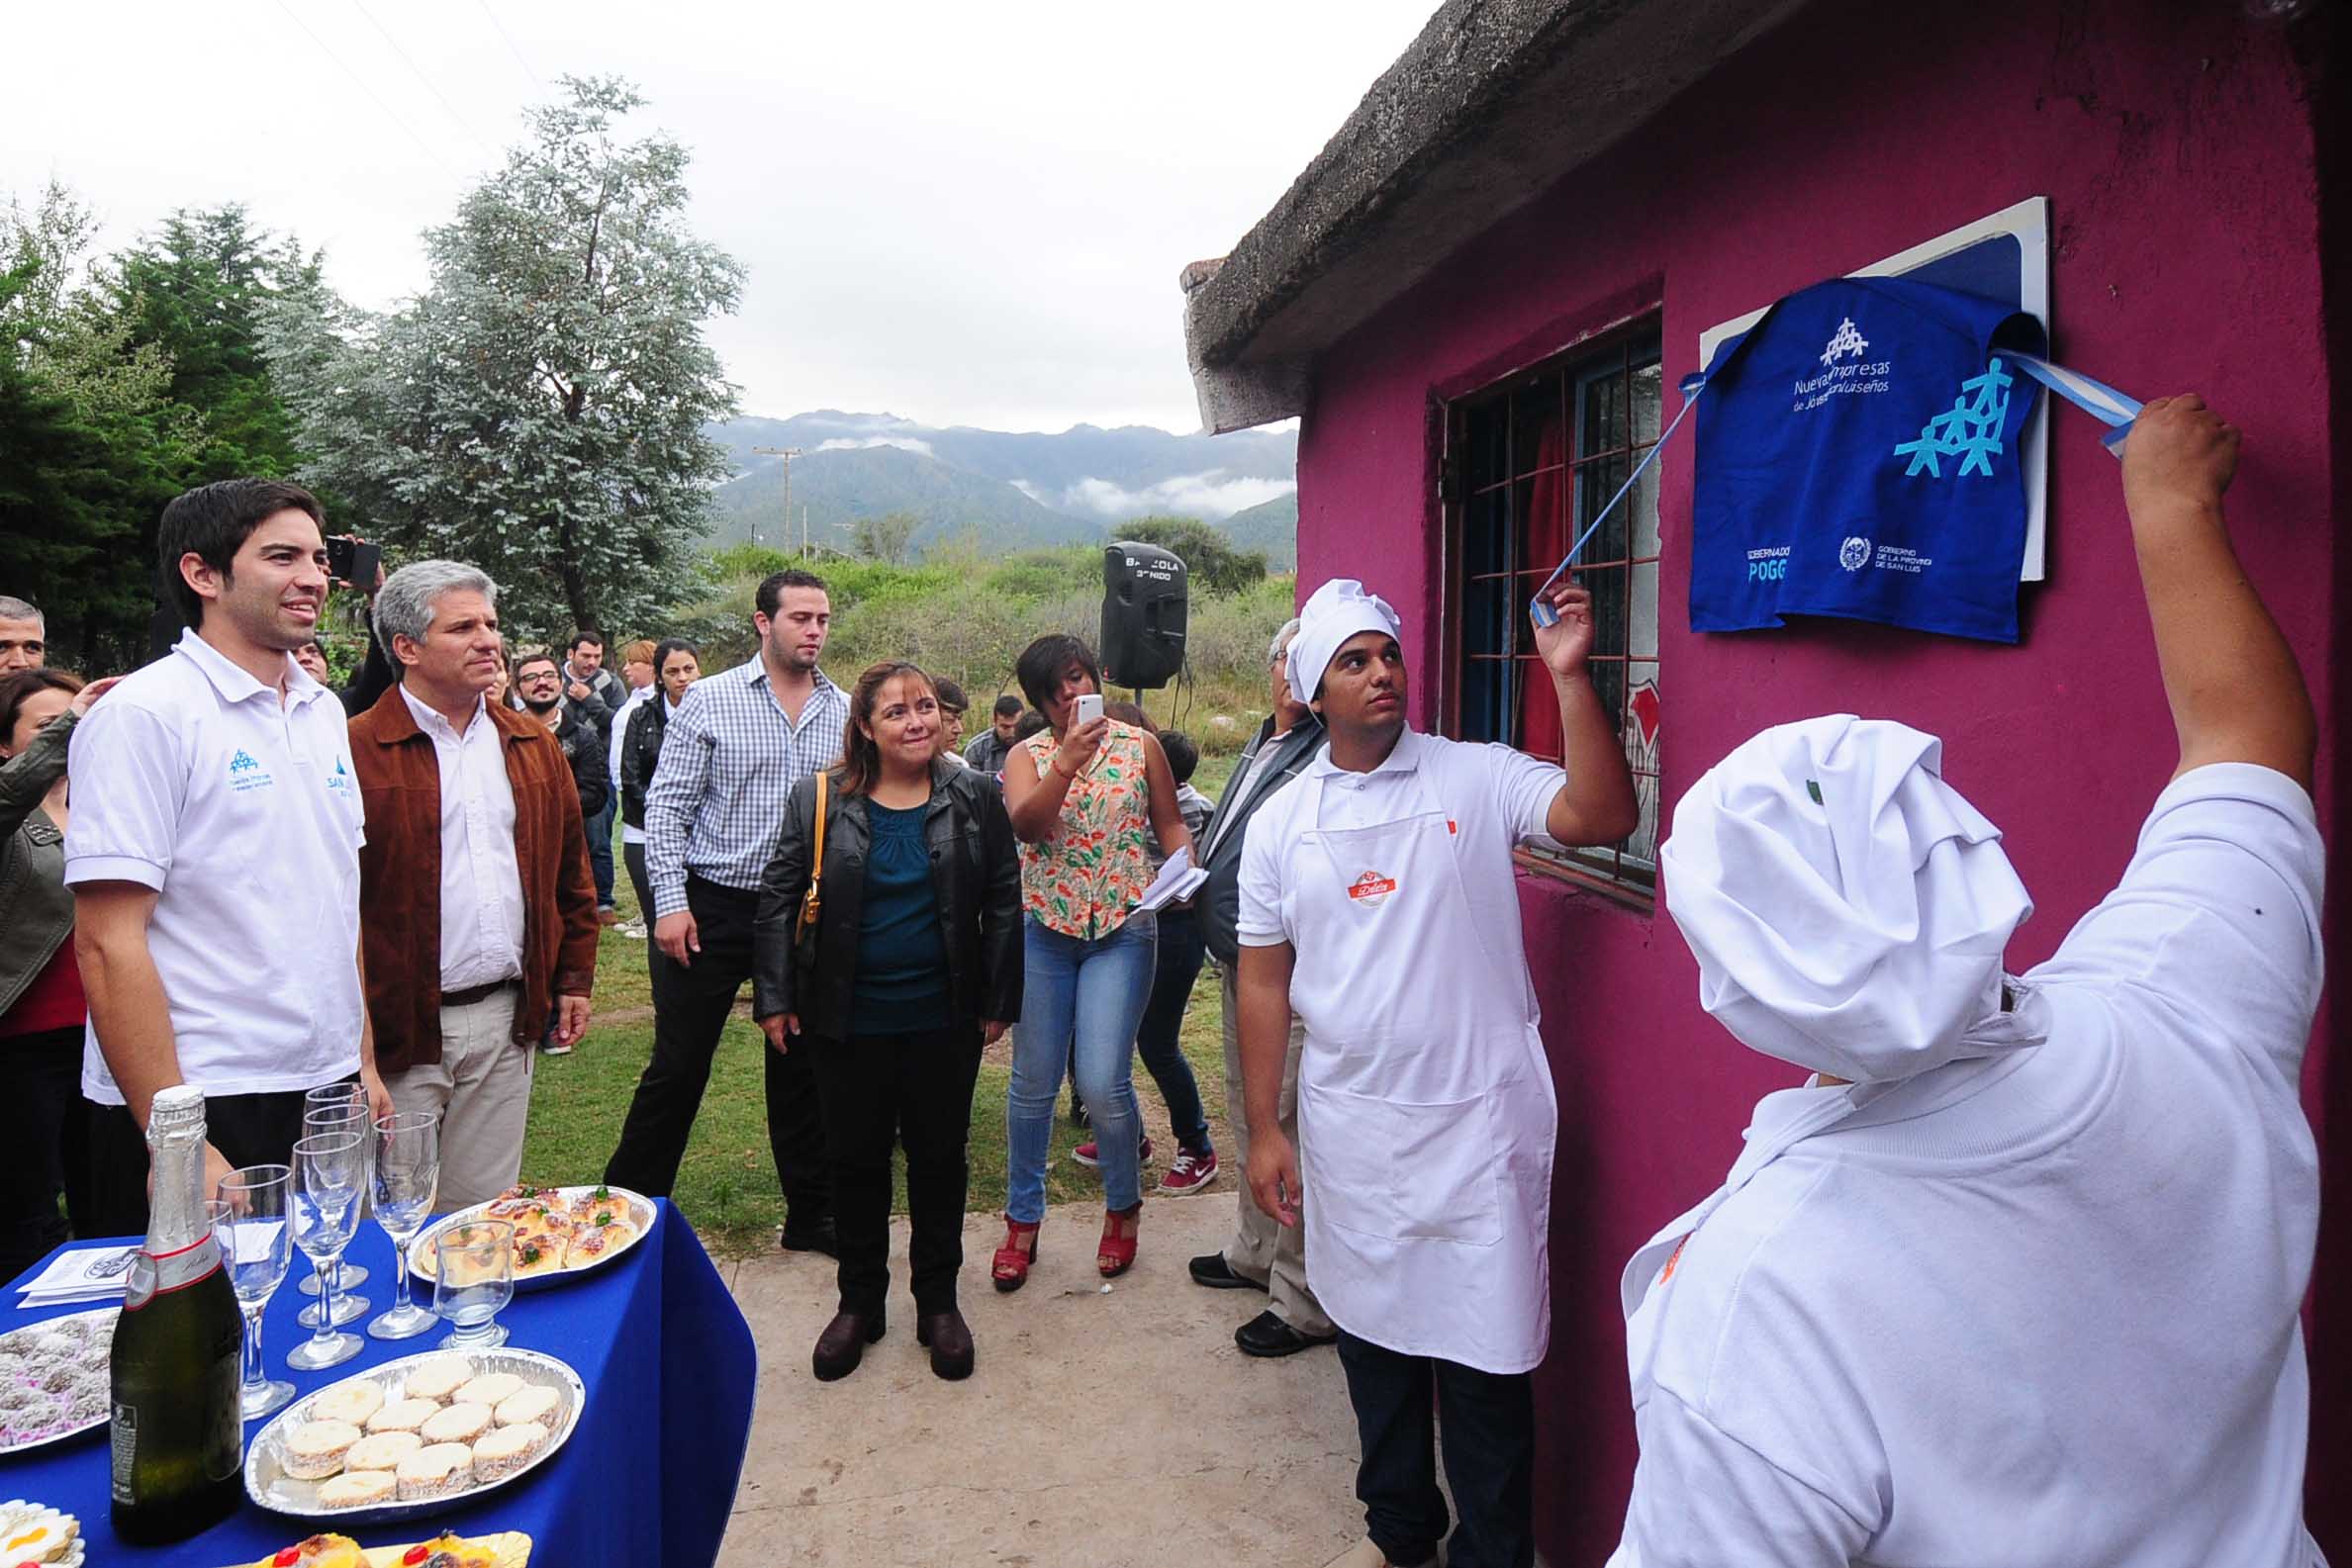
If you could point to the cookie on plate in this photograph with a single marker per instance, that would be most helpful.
(381, 1450)
(315, 1450)
(358, 1489)
(435, 1471)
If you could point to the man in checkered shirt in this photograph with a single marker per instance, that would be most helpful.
(730, 756)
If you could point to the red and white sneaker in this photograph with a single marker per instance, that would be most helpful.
(1191, 1172)
(1089, 1154)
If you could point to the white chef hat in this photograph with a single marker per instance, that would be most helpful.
(1334, 612)
(1847, 907)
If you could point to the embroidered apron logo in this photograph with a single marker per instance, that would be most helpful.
(1371, 889)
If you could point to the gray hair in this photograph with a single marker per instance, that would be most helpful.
(404, 604)
(1274, 649)
(20, 609)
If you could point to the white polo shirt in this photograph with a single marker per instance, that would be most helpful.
(242, 814)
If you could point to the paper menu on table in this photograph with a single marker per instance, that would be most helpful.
(99, 1273)
(1179, 880)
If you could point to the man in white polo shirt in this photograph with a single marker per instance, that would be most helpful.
(214, 855)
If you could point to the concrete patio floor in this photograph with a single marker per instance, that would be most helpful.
(1097, 1429)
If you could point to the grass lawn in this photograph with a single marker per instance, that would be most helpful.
(726, 1184)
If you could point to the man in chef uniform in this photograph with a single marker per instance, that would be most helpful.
(2013, 1277)
(1377, 900)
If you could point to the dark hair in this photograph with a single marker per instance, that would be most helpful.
(1040, 666)
(1007, 706)
(668, 646)
(530, 655)
(771, 592)
(580, 637)
(17, 689)
(952, 698)
(1031, 723)
(213, 522)
(1182, 756)
(861, 757)
(1131, 713)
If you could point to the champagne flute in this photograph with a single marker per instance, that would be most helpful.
(250, 1222)
(334, 1108)
(408, 1175)
(330, 1169)
(473, 1279)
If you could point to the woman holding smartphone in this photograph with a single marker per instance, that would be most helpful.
(1086, 796)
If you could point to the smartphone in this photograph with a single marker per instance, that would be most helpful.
(353, 561)
(1089, 707)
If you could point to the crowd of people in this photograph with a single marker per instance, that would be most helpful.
(1937, 1311)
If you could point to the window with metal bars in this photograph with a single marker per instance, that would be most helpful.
(1530, 462)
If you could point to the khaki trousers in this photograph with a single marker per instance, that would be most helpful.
(1263, 1248)
(482, 1088)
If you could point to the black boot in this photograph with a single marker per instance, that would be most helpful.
(950, 1339)
(843, 1345)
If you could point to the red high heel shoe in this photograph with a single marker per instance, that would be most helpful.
(1115, 1254)
(1010, 1267)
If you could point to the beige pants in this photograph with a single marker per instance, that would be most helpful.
(1263, 1248)
(482, 1088)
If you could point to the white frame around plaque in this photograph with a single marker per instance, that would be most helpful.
(2029, 222)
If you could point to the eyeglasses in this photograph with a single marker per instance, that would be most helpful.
(534, 679)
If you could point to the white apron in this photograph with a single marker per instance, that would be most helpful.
(1426, 1111)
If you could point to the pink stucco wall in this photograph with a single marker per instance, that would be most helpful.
(2176, 147)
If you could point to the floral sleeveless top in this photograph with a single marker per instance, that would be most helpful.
(1086, 879)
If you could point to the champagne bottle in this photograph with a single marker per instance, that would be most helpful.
(179, 1431)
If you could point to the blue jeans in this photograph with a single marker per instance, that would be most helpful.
(1182, 946)
(1094, 990)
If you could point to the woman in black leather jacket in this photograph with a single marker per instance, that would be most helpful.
(41, 1010)
(915, 963)
(677, 665)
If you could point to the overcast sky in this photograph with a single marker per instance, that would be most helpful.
(958, 213)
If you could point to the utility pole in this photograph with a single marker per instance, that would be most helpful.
(788, 454)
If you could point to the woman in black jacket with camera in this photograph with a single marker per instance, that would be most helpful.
(913, 962)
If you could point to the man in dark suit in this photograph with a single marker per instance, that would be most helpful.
(1264, 1253)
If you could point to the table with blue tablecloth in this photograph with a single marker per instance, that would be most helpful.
(648, 1475)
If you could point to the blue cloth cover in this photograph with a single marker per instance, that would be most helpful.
(1858, 456)
(648, 1476)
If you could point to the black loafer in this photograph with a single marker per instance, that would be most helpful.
(950, 1339)
(817, 1237)
(843, 1345)
(1268, 1335)
(1211, 1269)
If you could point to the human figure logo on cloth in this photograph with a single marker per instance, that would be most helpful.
(1846, 341)
(1371, 889)
(1971, 431)
(245, 774)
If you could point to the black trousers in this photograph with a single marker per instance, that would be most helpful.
(886, 1090)
(632, 855)
(1490, 1450)
(248, 1130)
(40, 1081)
(691, 1003)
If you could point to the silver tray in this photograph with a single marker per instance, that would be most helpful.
(422, 1263)
(267, 1483)
(105, 1409)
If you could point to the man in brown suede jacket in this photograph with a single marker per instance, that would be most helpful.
(477, 911)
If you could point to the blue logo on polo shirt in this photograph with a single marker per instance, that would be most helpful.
(340, 779)
(245, 774)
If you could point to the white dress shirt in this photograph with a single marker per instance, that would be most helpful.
(238, 807)
(481, 883)
(621, 726)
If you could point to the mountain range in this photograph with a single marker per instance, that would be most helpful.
(1010, 489)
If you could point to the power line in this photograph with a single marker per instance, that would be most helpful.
(416, 71)
(361, 83)
(499, 29)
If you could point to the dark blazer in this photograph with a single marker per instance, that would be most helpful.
(400, 876)
(641, 753)
(1220, 898)
(976, 876)
(32, 864)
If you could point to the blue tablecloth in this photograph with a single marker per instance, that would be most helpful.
(648, 1476)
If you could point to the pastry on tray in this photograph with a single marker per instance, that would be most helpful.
(508, 1549)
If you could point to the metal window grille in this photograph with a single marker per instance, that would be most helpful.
(1528, 463)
